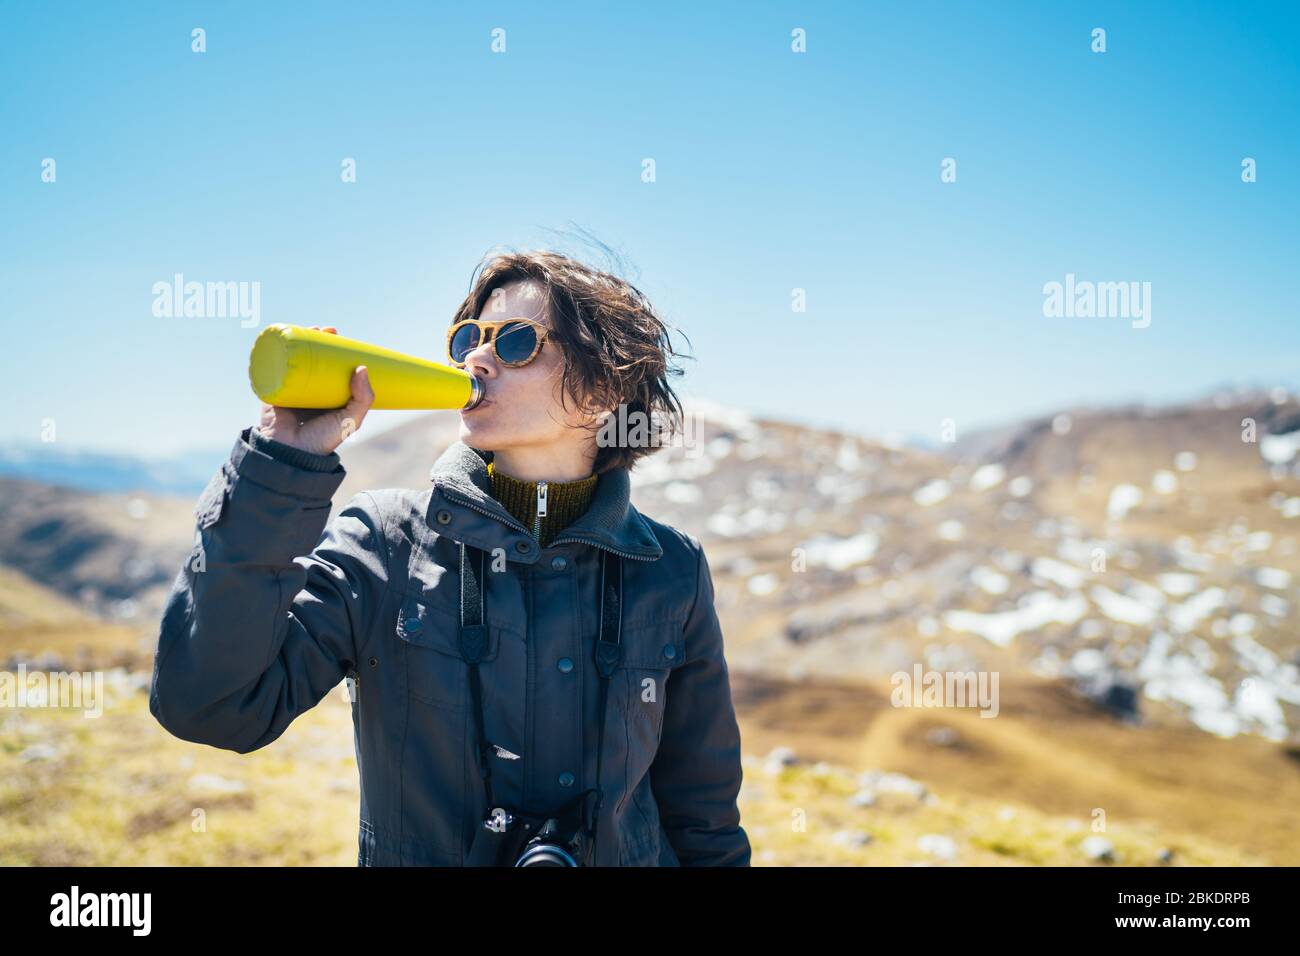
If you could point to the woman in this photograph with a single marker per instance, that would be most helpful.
(522, 645)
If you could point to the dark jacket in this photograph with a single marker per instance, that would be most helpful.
(268, 615)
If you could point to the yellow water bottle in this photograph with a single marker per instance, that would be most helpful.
(297, 367)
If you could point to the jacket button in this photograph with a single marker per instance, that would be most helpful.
(564, 665)
(559, 562)
(522, 547)
(444, 516)
(566, 779)
(670, 651)
(413, 625)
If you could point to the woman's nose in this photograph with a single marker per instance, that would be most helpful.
(480, 361)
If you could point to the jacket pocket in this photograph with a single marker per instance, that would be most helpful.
(436, 670)
(641, 683)
(438, 776)
(650, 654)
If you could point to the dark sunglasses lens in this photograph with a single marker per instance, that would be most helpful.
(464, 341)
(515, 342)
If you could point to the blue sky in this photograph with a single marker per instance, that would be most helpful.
(775, 171)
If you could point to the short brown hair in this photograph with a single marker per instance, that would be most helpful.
(616, 349)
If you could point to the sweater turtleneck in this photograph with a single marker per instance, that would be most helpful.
(566, 501)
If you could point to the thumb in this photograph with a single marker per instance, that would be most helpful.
(363, 396)
(362, 391)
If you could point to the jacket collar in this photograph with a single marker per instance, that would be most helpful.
(610, 522)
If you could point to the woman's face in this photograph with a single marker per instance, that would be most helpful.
(521, 407)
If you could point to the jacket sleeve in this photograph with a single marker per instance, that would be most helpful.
(697, 772)
(259, 624)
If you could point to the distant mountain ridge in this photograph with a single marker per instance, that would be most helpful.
(54, 464)
(1146, 556)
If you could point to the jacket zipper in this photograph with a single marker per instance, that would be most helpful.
(511, 522)
(597, 544)
(541, 511)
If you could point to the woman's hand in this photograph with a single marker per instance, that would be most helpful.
(319, 430)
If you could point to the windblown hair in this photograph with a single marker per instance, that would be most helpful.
(616, 349)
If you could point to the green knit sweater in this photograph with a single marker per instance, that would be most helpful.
(566, 501)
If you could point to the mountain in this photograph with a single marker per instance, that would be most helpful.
(53, 464)
(1145, 557)
(116, 554)
(42, 627)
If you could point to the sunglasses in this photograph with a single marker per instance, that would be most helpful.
(515, 341)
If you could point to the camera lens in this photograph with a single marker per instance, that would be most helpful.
(546, 854)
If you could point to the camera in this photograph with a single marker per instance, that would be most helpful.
(516, 838)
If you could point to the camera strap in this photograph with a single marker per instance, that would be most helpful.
(473, 644)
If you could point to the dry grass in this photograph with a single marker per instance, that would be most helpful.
(1049, 755)
(793, 817)
(119, 790)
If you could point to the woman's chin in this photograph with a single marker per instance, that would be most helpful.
(472, 427)
(467, 431)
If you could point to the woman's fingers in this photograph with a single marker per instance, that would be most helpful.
(321, 430)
